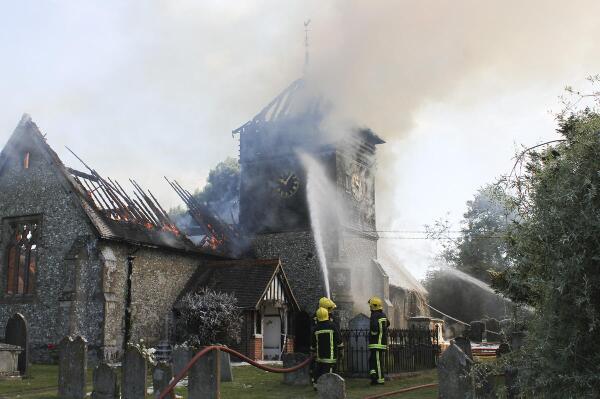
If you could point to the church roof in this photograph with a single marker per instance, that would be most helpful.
(298, 101)
(248, 280)
(300, 104)
(126, 223)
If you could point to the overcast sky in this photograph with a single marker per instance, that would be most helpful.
(151, 88)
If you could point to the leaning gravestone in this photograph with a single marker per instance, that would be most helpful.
(226, 371)
(204, 377)
(16, 333)
(299, 377)
(357, 357)
(106, 382)
(453, 374)
(134, 374)
(331, 386)
(72, 366)
(161, 376)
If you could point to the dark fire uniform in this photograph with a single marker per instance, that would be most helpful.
(377, 345)
(326, 341)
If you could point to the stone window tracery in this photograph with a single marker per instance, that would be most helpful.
(21, 257)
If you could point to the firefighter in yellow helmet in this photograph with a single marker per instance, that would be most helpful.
(377, 340)
(326, 341)
(329, 305)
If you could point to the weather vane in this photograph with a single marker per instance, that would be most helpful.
(306, 23)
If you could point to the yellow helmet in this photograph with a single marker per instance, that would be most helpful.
(322, 314)
(331, 305)
(375, 303)
(327, 304)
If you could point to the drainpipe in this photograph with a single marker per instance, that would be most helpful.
(127, 334)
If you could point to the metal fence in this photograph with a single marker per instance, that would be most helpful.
(408, 350)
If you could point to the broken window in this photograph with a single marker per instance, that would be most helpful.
(21, 257)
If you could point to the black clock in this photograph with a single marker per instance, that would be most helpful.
(287, 184)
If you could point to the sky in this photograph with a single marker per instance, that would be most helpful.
(148, 89)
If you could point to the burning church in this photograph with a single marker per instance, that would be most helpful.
(79, 255)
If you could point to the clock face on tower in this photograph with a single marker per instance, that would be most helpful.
(287, 184)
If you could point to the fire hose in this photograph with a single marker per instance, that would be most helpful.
(204, 351)
(409, 389)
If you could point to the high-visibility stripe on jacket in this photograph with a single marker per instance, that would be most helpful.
(378, 334)
(326, 340)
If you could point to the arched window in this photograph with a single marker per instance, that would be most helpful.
(21, 258)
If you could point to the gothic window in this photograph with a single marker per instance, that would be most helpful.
(26, 160)
(21, 257)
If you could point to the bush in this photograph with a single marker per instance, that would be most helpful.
(208, 317)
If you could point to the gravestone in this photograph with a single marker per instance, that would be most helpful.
(9, 360)
(465, 345)
(516, 340)
(180, 356)
(357, 355)
(72, 366)
(204, 377)
(134, 374)
(503, 349)
(476, 331)
(331, 386)
(16, 333)
(106, 383)
(226, 371)
(161, 376)
(299, 377)
(511, 375)
(453, 374)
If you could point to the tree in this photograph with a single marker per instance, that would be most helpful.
(481, 245)
(223, 183)
(221, 193)
(554, 252)
(453, 287)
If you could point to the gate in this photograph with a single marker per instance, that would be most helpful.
(408, 350)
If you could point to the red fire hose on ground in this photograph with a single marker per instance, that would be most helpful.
(204, 351)
(297, 367)
(409, 389)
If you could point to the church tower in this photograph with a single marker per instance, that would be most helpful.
(274, 207)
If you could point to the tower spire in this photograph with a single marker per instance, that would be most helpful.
(306, 23)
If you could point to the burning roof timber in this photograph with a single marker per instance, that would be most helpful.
(137, 218)
(113, 214)
(217, 235)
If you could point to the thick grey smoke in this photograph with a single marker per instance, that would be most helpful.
(148, 89)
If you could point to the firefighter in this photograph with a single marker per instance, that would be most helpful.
(326, 342)
(377, 340)
(328, 304)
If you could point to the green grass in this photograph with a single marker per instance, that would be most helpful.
(249, 383)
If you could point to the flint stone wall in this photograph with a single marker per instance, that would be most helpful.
(38, 191)
(300, 261)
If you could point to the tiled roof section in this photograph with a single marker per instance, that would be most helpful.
(246, 279)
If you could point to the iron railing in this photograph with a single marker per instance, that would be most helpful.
(408, 350)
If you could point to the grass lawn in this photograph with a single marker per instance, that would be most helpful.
(248, 383)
